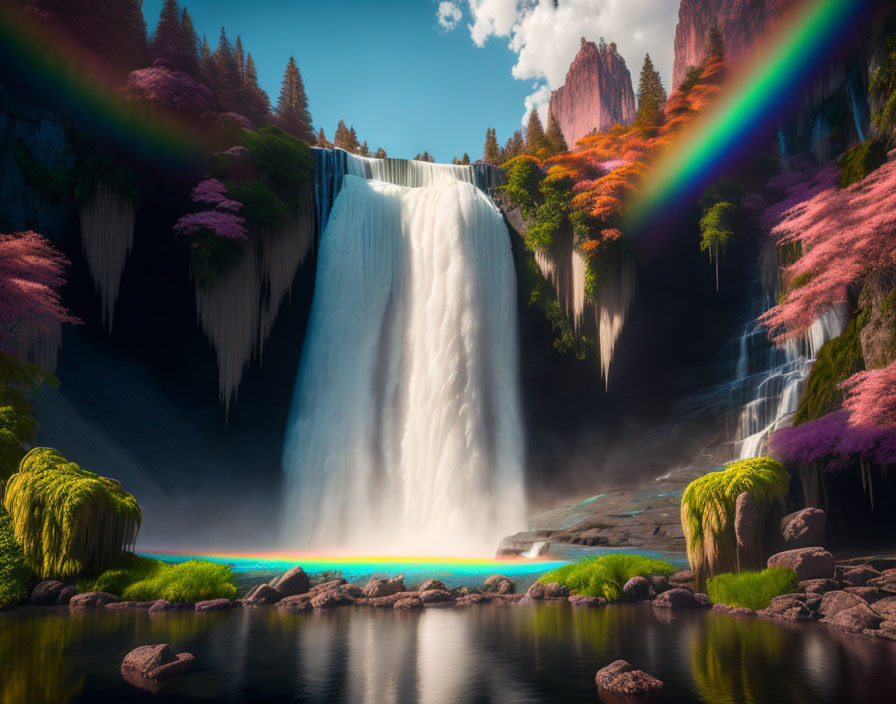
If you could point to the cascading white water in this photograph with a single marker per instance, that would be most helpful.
(405, 433)
(770, 379)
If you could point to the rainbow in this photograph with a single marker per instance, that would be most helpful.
(66, 77)
(750, 104)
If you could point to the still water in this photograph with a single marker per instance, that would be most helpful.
(519, 654)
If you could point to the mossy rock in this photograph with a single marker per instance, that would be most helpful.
(860, 161)
(838, 359)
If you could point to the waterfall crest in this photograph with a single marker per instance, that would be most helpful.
(405, 432)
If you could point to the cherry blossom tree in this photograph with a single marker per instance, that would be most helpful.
(871, 397)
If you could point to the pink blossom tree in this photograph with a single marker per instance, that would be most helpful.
(871, 397)
(221, 220)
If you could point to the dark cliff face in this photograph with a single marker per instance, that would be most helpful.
(597, 93)
(743, 23)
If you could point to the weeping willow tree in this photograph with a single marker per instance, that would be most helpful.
(708, 511)
(18, 379)
(69, 521)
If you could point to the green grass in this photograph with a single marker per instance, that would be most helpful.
(751, 590)
(605, 575)
(13, 573)
(860, 161)
(135, 578)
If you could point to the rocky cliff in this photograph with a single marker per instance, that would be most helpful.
(742, 22)
(597, 92)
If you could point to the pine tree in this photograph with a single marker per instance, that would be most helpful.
(239, 58)
(425, 156)
(715, 43)
(651, 95)
(535, 138)
(191, 41)
(554, 136)
(227, 79)
(322, 140)
(168, 41)
(517, 144)
(292, 107)
(716, 233)
(353, 140)
(465, 159)
(251, 76)
(490, 153)
(380, 153)
(364, 150)
(342, 138)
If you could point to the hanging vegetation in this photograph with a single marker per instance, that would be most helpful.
(13, 573)
(68, 520)
(708, 511)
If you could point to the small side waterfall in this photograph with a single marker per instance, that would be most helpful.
(405, 432)
(769, 380)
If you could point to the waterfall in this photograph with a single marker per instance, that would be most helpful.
(405, 430)
(107, 235)
(770, 379)
(855, 109)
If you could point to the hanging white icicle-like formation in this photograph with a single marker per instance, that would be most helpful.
(237, 311)
(563, 266)
(107, 236)
(405, 432)
(615, 293)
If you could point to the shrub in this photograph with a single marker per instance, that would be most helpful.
(14, 574)
(708, 507)
(284, 163)
(605, 575)
(127, 569)
(68, 520)
(751, 590)
(860, 161)
(523, 177)
(195, 580)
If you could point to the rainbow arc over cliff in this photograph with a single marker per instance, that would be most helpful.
(790, 58)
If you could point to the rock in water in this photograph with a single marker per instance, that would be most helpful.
(263, 595)
(499, 584)
(214, 605)
(91, 600)
(636, 589)
(292, 582)
(377, 587)
(408, 603)
(859, 576)
(677, 599)
(431, 584)
(808, 563)
(855, 619)
(803, 529)
(147, 666)
(618, 678)
(52, 591)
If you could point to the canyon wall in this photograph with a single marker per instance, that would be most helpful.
(597, 93)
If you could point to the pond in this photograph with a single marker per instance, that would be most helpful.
(484, 654)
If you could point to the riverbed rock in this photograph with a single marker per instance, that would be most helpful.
(741, 612)
(859, 576)
(802, 529)
(834, 602)
(263, 595)
(298, 604)
(91, 600)
(432, 585)
(620, 679)
(377, 586)
(587, 601)
(886, 607)
(408, 603)
(473, 599)
(213, 605)
(125, 605)
(329, 584)
(499, 584)
(435, 596)
(887, 629)
(550, 590)
(869, 594)
(677, 598)
(636, 589)
(292, 582)
(819, 586)
(855, 619)
(163, 605)
(330, 598)
(747, 531)
(658, 582)
(808, 563)
(51, 592)
(787, 607)
(148, 665)
(683, 579)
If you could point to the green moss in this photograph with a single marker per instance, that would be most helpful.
(838, 360)
(708, 507)
(523, 179)
(605, 575)
(283, 162)
(95, 165)
(136, 578)
(214, 256)
(751, 590)
(51, 180)
(552, 214)
(262, 209)
(14, 575)
(68, 520)
(860, 161)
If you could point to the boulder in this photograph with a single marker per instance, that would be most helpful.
(786, 608)
(380, 602)
(620, 679)
(148, 665)
(587, 601)
(869, 594)
(819, 586)
(432, 585)
(747, 532)
(808, 563)
(677, 598)
(163, 605)
(262, 595)
(721, 608)
(886, 607)
(855, 619)
(658, 582)
(330, 598)
(124, 605)
(702, 600)
(499, 584)
(214, 605)
(683, 579)
(834, 602)
(408, 603)
(802, 529)
(550, 590)
(473, 599)
(323, 586)
(434, 596)
(859, 576)
(887, 630)
(636, 589)
(91, 600)
(292, 582)
(51, 592)
(300, 603)
(377, 587)
(741, 612)
(351, 589)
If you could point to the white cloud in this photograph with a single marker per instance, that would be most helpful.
(545, 34)
(449, 15)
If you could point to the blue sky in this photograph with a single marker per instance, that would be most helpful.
(386, 67)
